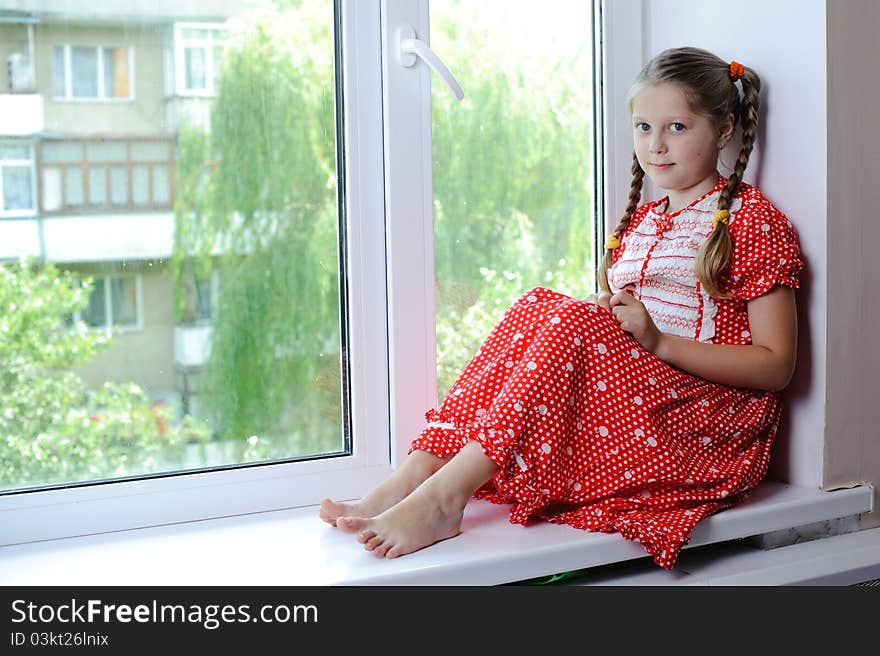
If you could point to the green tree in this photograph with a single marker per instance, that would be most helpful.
(260, 189)
(511, 168)
(54, 428)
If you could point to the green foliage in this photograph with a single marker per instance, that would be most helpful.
(54, 428)
(511, 171)
(264, 197)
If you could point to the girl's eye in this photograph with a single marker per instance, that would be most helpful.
(678, 127)
(642, 127)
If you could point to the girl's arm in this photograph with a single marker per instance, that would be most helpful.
(767, 363)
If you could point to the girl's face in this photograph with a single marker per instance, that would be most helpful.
(676, 147)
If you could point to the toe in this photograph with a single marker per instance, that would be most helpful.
(351, 524)
(363, 536)
(381, 550)
(373, 543)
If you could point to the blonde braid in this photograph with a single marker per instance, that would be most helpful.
(717, 251)
(635, 195)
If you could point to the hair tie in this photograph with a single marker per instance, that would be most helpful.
(721, 216)
(612, 243)
(736, 70)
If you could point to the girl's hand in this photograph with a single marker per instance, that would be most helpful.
(602, 299)
(634, 319)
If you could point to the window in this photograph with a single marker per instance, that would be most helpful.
(198, 50)
(334, 283)
(16, 180)
(114, 303)
(107, 175)
(291, 341)
(92, 73)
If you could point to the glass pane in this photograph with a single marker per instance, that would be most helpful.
(95, 313)
(109, 73)
(150, 151)
(107, 152)
(123, 300)
(51, 189)
(58, 73)
(116, 73)
(203, 298)
(196, 80)
(161, 185)
(97, 186)
(218, 64)
(73, 187)
(62, 152)
(512, 163)
(17, 188)
(240, 373)
(140, 185)
(11, 151)
(196, 35)
(118, 186)
(84, 67)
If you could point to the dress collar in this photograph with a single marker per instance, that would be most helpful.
(719, 185)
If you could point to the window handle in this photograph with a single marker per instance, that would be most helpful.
(410, 48)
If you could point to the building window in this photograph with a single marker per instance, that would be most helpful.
(92, 73)
(197, 51)
(114, 304)
(16, 180)
(106, 175)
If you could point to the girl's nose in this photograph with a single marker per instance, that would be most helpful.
(657, 145)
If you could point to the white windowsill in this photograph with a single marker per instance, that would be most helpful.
(293, 547)
(847, 559)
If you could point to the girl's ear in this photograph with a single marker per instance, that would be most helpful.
(725, 130)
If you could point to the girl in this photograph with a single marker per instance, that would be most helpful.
(652, 404)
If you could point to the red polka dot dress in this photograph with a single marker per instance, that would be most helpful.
(591, 430)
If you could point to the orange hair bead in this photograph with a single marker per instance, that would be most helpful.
(612, 243)
(736, 70)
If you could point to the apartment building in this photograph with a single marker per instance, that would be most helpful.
(93, 95)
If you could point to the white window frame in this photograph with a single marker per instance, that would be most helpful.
(106, 281)
(31, 164)
(181, 43)
(99, 507)
(621, 25)
(101, 97)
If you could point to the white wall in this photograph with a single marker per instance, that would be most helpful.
(852, 447)
(784, 41)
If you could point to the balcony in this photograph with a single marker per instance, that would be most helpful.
(22, 114)
(192, 345)
(106, 175)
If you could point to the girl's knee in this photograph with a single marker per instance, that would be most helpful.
(532, 295)
(536, 294)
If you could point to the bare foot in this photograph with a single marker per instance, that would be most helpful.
(417, 468)
(418, 521)
(331, 511)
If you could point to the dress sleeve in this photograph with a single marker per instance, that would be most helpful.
(766, 252)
